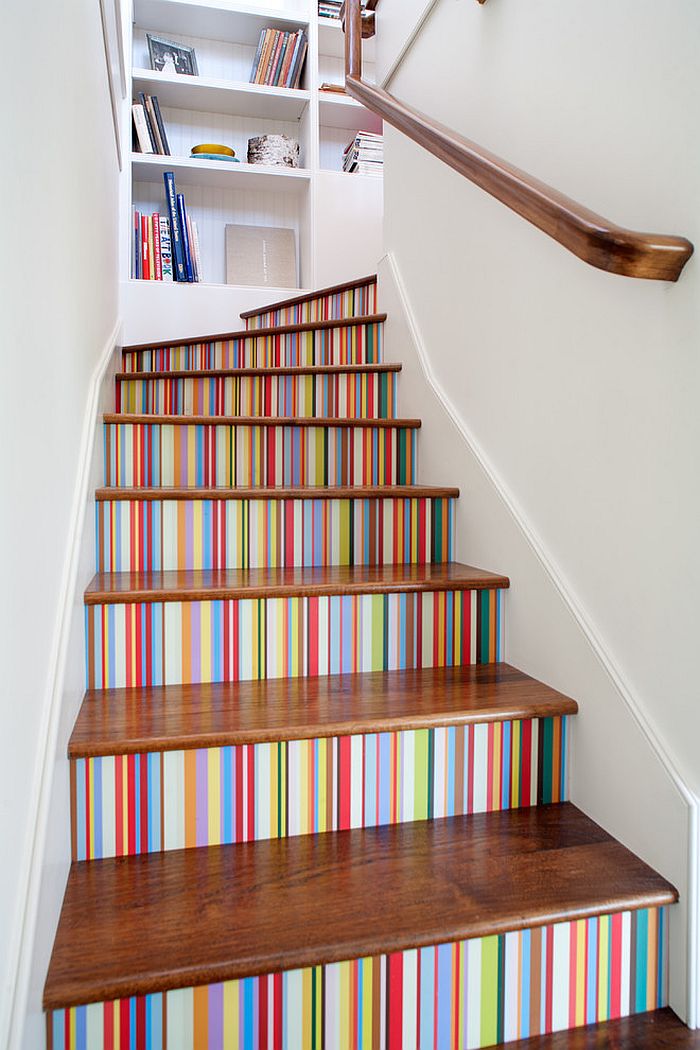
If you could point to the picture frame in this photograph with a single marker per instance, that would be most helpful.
(168, 56)
(111, 18)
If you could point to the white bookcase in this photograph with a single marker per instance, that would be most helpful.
(337, 218)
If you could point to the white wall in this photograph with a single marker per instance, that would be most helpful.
(58, 281)
(580, 388)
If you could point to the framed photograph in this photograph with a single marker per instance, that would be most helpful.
(170, 57)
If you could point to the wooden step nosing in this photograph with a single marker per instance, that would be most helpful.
(558, 866)
(258, 333)
(308, 297)
(341, 951)
(296, 370)
(139, 745)
(319, 422)
(253, 585)
(341, 492)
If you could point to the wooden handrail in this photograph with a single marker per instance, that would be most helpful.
(589, 236)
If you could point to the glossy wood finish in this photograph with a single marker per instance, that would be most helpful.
(220, 373)
(657, 1030)
(333, 289)
(176, 585)
(141, 924)
(170, 718)
(300, 492)
(257, 333)
(123, 418)
(591, 237)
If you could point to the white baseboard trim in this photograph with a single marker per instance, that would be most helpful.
(568, 597)
(31, 869)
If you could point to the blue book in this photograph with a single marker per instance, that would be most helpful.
(180, 272)
(182, 214)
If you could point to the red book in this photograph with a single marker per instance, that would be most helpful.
(145, 260)
(156, 246)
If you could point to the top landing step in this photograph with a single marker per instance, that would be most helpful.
(260, 333)
(320, 293)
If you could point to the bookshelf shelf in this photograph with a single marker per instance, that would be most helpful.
(341, 111)
(220, 174)
(324, 206)
(212, 95)
(215, 20)
(331, 41)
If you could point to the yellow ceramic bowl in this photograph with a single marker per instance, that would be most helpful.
(213, 147)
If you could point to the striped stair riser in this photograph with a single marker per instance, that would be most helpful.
(221, 455)
(126, 804)
(364, 395)
(355, 302)
(464, 995)
(351, 345)
(169, 643)
(134, 535)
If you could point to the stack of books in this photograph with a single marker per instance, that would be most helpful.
(279, 60)
(149, 126)
(365, 154)
(329, 8)
(166, 247)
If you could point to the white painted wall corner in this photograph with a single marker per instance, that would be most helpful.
(80, 542)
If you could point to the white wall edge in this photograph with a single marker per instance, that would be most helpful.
(568, 597)
(32, 862)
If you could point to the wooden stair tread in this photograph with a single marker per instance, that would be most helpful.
(169, 718)
(256, 333)
(320, 422)
(297, 370)
(215, 584)
(140, 924)
(655, 1030)
(317, 492)
(333, 289)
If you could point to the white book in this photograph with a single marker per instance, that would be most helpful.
(166, 249)
(197, 255)
(141, 128)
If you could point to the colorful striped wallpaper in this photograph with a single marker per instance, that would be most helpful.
(362, 395)
(137, 535)
(124, 804)
(155, 643)
(359, 344)
(187, 454)
(355, 302)
(460, 996)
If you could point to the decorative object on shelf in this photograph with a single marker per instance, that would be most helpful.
(261, 256)
(214, 156)
(364, 155)
(279, 59)
(167, 56)
(149, 126)
(213, 147)
(278, 150)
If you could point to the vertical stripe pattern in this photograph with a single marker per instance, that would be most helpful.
(465, 995)
(138, 535)
(359, 344)
(354, 302)
(224, 454)
(361, 395)
(172, 643)
(125, 804)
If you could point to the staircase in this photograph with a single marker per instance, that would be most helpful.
(272, 850)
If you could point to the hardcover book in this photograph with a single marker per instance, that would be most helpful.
(261, 256)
